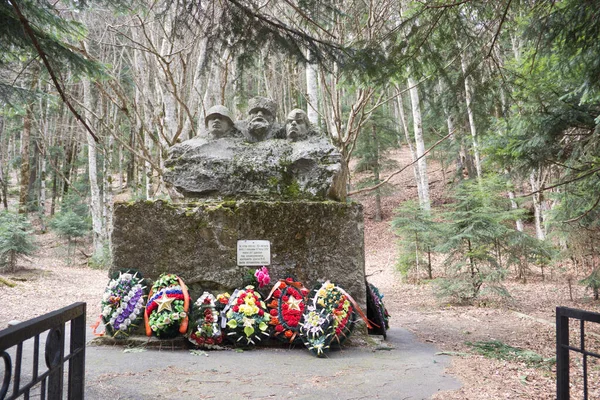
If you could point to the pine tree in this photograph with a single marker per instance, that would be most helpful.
(16, 240)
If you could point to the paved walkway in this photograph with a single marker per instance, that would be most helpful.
(407, 369)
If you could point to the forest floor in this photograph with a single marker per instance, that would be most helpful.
(52, 279)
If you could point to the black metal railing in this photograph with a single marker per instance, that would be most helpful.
(47, 382)
(563, 314)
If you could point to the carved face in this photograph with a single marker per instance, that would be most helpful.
(260, 122)
(218, 125)
(296, 125)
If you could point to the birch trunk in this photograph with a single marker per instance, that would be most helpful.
(26, 133)
(95, 200)
(419, 143)
(469, 100)
(312, 88)
(376, 174)
(413, 153)
(514, 206)
(537, 180)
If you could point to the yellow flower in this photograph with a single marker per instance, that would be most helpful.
(248, 310)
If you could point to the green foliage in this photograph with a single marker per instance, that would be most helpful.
(418, 234)
(72, 221)
(477, 229)
(70, 225)
(102, 260)
(592, 281)
(16, 240)
(501, 351)
(371, 146)
(54, 34)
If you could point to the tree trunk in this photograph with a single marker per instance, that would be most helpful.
(514, 206)
(3, 178)
(471, 118)
(95, 200)
(24, 191)
(413, 153)
(376, 174)
(420, 144)
(312, 89)
(537, 182)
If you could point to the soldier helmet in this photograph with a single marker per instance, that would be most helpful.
(264, 103)
(219, 110)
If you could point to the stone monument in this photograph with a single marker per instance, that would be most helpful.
(246, 181)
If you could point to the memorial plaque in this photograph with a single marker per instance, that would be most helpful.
(253, 253)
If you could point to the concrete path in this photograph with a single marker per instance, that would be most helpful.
(408, 369)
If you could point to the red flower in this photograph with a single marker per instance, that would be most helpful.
(289, 280)
(207, 300)
(286, 298)
(279, 328)
(240, 301)
(210, 341)
(261, 312)
(235, 308)
(277, 293)
(305, 291)
(273, 312)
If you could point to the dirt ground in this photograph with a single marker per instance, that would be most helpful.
(51, 279)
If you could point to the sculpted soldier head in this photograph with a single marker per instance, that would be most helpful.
(261, 116)
(297, 125)
(218, 121)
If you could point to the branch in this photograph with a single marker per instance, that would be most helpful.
(499, 27)
(447, 5)
(42, 54)
(306, 17)
(593, 171)
(585, 213)
(386, 180)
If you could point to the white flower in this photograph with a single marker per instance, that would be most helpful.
(106, 296)
(182, 314)
(127, 321)
(154, 328)
(167, 321)
(175, 316)
(119, 310)
(122, 327)
(126, 277)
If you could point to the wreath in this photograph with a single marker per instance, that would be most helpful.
(317, 331)
(342, 308)
(166, 313)
(245, 317)
(286, 304)
(376, 311)
(122, 305)
(207, 331)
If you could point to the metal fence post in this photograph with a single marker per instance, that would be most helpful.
(77, 362)
(562, 355)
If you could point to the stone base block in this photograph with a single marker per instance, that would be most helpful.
(311, 241)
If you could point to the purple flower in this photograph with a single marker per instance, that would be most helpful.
(120, 319)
